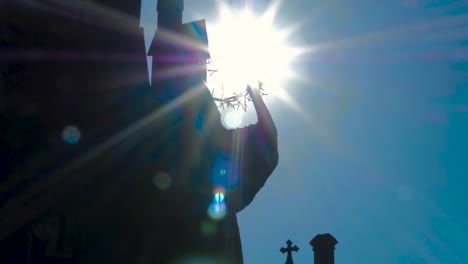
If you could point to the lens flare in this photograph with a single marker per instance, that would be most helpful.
(217, 208)
(219, 198)
(217, 211)
(219, 189)
(162, 180)
(222, 172)
(208, 228)
(71, 134)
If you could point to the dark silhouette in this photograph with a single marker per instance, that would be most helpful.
(149, 162)
(289, 250)
(323, 246)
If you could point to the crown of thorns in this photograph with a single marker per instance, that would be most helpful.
(231, 100)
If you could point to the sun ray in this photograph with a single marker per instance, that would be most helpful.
(103, 14)
(55, 177)
(176, 72)
(312, 122)
(427, 26)
(247, 48)
(178, 39)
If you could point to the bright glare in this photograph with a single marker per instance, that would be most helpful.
(233, 119)
(246, 49)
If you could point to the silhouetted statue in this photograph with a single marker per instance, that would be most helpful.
(289, 251)
(167, 223)
(154, 177)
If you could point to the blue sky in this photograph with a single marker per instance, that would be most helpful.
(377, 155)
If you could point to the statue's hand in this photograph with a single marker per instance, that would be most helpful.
(252, 92)
(265, 120)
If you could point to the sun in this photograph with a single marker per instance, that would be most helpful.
(248, 49)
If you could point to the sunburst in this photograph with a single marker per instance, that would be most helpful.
(248, 49)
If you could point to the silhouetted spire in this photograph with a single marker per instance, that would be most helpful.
(324, 246)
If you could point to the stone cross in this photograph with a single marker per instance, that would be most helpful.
(289, 250)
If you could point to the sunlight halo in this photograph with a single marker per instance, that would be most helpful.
(246, 48)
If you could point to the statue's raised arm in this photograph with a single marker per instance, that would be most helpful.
(265, 139)
(254, 154)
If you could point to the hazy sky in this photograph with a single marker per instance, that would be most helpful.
(376, 154)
